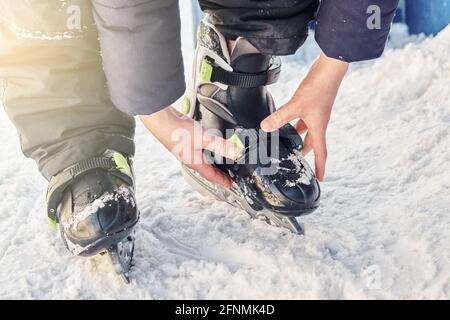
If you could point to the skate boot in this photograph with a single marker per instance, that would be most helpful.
(93, 203)
(228, 93)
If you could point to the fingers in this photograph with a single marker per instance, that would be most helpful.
(320, 155)
(307, 145)
(318, 144)
(212, 174)
(220, 146)
(301, 126)
(280, 117)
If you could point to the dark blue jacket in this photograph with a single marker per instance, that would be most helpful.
(349, 29)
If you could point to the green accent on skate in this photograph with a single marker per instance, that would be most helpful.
(206, 71)
(122, 164)
(53, 224)
(186, 106)
(237, 142)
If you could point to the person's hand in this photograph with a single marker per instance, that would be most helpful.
(312, 104)
(187, 140)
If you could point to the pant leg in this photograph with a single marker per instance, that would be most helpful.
(52, 84)
(276, 27)
(141, 45)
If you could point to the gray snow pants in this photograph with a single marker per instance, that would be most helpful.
(53, 78)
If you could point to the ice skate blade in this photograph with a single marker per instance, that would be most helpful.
(234, 197)
(121, 256)
(289, 223)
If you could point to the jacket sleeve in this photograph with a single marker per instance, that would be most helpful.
(352, 30)
(141, 50)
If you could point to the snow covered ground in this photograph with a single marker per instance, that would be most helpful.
(383, 230)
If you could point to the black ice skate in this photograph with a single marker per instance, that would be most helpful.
(93, 203)
(228, 93)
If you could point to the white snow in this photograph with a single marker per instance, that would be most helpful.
(382, 231)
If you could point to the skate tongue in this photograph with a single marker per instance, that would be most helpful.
(242, 46)
(246, 58)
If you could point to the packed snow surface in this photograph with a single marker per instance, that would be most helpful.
(382, 231)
